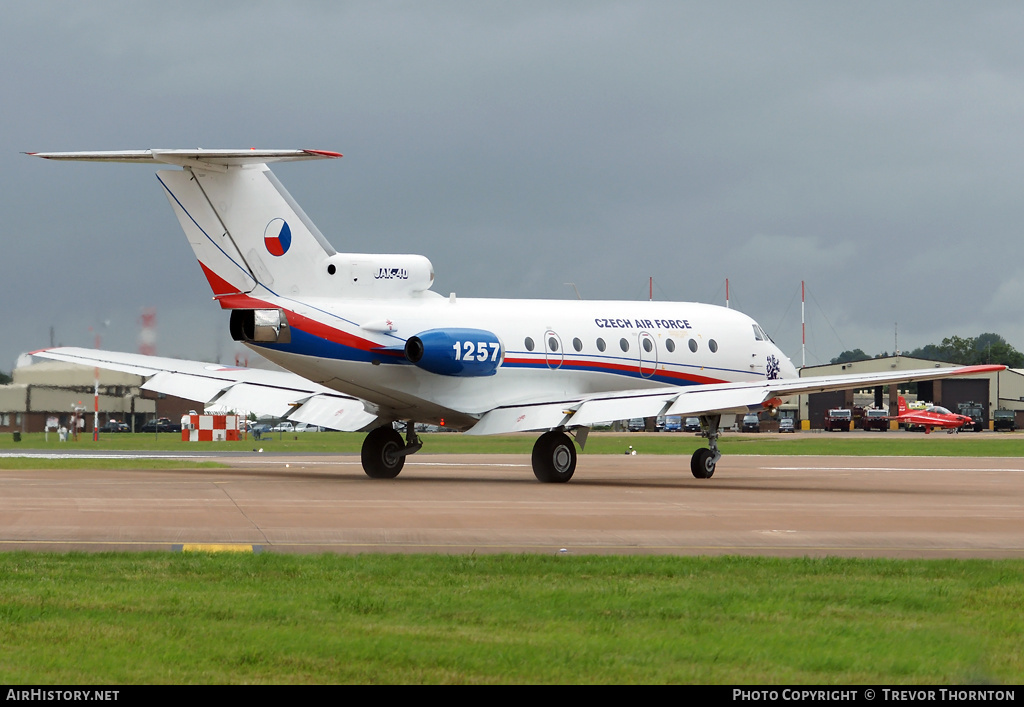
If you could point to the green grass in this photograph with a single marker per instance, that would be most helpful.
(845, 444)
(228, 618)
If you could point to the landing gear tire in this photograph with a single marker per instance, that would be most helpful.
(554, 458)
(702, 464)
(380, 453)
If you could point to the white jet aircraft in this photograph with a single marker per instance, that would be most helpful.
(369, 344)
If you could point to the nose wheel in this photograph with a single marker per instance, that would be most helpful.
(702, 464)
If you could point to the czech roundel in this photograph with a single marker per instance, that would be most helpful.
(278, 237)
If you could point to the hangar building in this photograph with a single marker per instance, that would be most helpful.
(1002, 390)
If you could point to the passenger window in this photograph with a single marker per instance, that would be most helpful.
(648, 345)
(670, 345)
(529, 344)
(553, 343)
(600, 345)
(693, 345)
(713, 345)
(577, 344)
(623, 344)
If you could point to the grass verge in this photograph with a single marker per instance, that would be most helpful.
(229, 618)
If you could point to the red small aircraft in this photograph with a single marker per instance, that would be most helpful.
(932, 416)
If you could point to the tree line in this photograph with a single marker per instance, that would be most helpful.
(966, 351)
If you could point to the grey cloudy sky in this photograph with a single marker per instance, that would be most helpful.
(873, 149)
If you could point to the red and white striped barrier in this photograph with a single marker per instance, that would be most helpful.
(209, 428)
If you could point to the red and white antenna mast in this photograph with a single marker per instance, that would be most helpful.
(147, 336)
(803, 329)
(727, 293)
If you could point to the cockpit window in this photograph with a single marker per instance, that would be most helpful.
(758, 334)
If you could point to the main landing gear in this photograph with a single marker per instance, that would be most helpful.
(384, 452)
(702, 463)
(554, 457)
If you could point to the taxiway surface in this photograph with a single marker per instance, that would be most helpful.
(785, 506)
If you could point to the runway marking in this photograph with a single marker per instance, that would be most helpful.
(91, 455)
(875, 468)
(834, 549)
(304, 462)
(214, 547)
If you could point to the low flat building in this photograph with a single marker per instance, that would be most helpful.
(56, 391)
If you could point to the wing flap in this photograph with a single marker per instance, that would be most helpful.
(246, 397)
(594, 412)
(335, 412)
(523, 418)
(186, 386)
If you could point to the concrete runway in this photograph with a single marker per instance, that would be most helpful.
(784, 506)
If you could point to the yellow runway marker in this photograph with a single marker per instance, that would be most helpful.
(216, 547)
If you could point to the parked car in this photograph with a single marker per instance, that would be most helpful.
(162, 424)
(787, 424)
(115, 426)
(673, 423)
(306, 427)
(283, 426)
(875, 420)
(692, 424)
(751, 423)
(636, 424)
(838, 419)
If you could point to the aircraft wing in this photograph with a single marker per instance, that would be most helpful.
(275, 393)
(587, 410)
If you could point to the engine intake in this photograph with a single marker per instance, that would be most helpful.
(456, 352)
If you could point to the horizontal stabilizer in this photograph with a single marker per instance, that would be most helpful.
(196, 157)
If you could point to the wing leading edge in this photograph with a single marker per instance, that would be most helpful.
(587, 410)
(275, 393)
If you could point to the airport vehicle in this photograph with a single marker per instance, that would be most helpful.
(787, 424)
(838, 419)
(1004, 420)
(751, 423)
(931, 417)
(692, 424)
(636, 424)
(975, 411)
(369, 344)
(673, 423)
(875, 420)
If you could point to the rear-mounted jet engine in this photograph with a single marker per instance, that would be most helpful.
(456, 352)
(260, 325)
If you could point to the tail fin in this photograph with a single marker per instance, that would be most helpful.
(245, 229)
(248, 233)
(901, 405)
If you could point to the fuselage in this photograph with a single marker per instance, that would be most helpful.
(550, 349)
